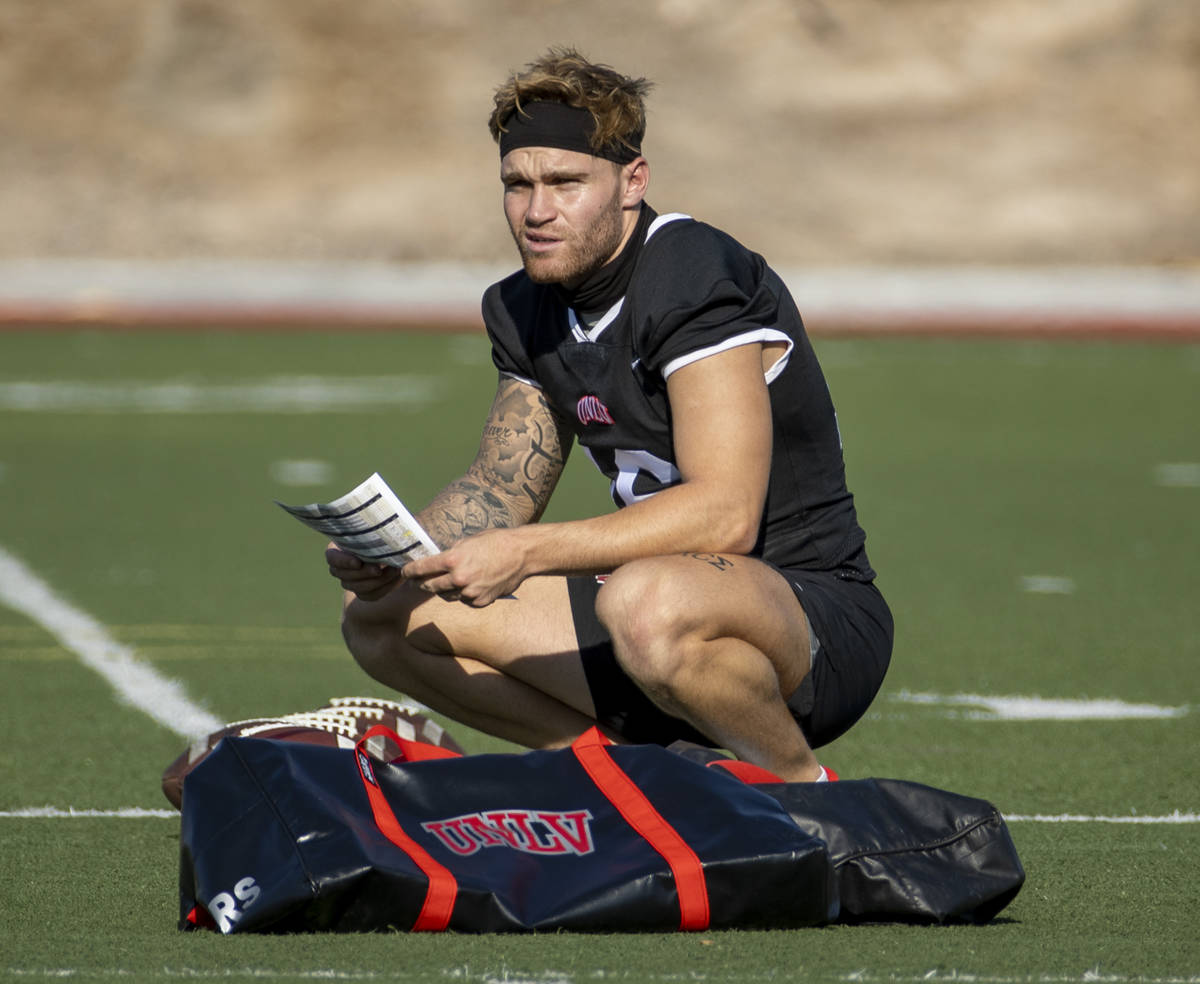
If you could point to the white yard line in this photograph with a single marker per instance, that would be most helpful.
(1031, 708)
(135, 682)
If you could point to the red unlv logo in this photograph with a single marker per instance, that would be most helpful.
(531, 831)
(590, 410)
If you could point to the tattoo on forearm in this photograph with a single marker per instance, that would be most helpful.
(713, 560)
(462, 509)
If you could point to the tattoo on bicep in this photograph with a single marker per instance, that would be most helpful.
(521, 456)
(522, 451)
(543, 463)
(713, 560)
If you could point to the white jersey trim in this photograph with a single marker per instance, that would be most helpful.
(749, 338)
(583, 334)
(661, 221)
(522, 379)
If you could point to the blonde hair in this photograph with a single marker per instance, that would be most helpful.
(616, 102)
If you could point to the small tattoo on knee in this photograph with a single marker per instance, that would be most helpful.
(713, 560)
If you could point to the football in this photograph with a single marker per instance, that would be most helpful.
(339, 724)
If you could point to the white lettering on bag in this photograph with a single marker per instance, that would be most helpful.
(224, 906)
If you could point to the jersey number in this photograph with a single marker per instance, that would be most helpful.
(629, 466)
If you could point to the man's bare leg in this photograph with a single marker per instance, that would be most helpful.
(721, 642)
(511, 669)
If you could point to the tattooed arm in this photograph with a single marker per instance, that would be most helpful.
(521, 456)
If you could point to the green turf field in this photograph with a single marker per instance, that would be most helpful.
(1033, 508)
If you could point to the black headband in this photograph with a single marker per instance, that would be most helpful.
(555, 124)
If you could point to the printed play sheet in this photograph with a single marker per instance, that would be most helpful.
(370, 522)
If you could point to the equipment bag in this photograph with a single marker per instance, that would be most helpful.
(905, 851)
(283, 836)
(900, 850)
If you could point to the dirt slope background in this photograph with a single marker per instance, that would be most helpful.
(817, 131)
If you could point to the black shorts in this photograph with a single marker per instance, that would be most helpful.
(852, 646)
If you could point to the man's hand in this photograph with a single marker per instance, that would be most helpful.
(370, 582)
(477, 570)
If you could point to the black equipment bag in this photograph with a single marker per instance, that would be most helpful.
(282, 836)
(903, 850)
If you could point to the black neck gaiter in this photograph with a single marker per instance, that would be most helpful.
(607, 285)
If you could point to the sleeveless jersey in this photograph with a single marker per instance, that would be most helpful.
(694, 292)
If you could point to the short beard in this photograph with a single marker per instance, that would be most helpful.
(596, 248)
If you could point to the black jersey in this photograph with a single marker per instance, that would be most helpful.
(693, 292)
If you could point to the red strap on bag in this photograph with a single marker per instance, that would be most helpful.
(410, 751)
(443, 886)
(641, 815)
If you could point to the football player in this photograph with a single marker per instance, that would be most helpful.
(728, 600)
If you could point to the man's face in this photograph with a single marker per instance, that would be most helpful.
(566, 211)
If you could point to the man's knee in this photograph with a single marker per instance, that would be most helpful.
(382, 640)
(651, 620)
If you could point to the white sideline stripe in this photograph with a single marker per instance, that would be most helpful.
(330, 974)
(512, 976)
(134, 681)
(70, 813)
(1041, 708)
(139, 813)
(269, 973)
(1087, 977)
(276, 394)
(1171, 818)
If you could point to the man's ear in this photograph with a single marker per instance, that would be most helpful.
(636, 178)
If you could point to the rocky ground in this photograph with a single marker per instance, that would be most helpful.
(818, 131)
